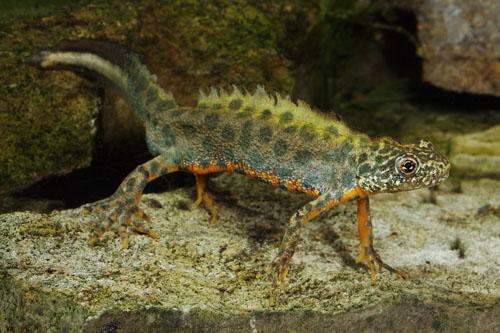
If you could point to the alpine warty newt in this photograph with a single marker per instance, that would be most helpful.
(261, 135)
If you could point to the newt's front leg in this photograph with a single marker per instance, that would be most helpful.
(293, 232)
(122, 209)
(367, 251)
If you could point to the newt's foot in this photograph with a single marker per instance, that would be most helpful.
(375, 263)
(278, 271)
(118, 214)
(208, 200)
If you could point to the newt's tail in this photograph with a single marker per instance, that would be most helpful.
(116, 66)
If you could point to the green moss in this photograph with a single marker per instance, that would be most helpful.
(45, 128)
(25, 9)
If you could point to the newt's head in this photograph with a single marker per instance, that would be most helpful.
(387, 166)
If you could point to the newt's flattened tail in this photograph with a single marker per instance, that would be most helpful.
(113, 64)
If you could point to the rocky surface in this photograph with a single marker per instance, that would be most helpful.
(477, 154)
(459, 43)
(48, 121)
(201, 277)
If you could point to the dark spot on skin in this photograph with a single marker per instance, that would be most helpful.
(308, 207)
(247, 112)
(290, 129)
(143, 183)
(246, 134)
(266, 114)
(379, 159)
(212, 120)
(265, 134)
(286, 117)
(307, 132)
(130, 184)
(363, 157)
(302, 156)
(332, 130)
(216, 106)
(235, 104)
(155, 166)
(208, 145)
(280, 147)
(364, 168)
(142, 170)
(228, 133)
(188, 130)
(152, 95)
(168, 135)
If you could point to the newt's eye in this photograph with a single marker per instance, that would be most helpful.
(407, 165)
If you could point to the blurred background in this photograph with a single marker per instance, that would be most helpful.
(416, 69)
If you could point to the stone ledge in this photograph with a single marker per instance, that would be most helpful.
(199, 277)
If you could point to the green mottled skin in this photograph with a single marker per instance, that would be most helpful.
(266, 137)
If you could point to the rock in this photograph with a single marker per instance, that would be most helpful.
(51, 280)
(48, 119)
(477, 154)
(48, 123)
(459, 43)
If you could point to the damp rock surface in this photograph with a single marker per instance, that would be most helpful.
(201, 277)
(459, 43)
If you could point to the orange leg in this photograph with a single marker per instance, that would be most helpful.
(293, 232)
(367, 251)
(203, 196)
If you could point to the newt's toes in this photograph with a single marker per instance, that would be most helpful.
(375, 263)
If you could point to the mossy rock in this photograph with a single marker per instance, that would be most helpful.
(48, 121)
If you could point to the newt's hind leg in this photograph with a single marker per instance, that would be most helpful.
(121, 210)
(367, 251)
(203, 196)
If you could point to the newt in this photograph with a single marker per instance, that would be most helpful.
(264, 136)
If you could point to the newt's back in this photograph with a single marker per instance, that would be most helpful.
(269, 138)
(275, 140)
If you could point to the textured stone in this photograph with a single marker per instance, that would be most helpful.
(477, 154)
(48, 119)
(203, 278)
(460, 43)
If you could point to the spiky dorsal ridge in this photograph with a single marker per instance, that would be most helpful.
(280, 108)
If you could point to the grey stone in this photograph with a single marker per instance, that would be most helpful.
(477, 154)
(203, 278)
(460, 43)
